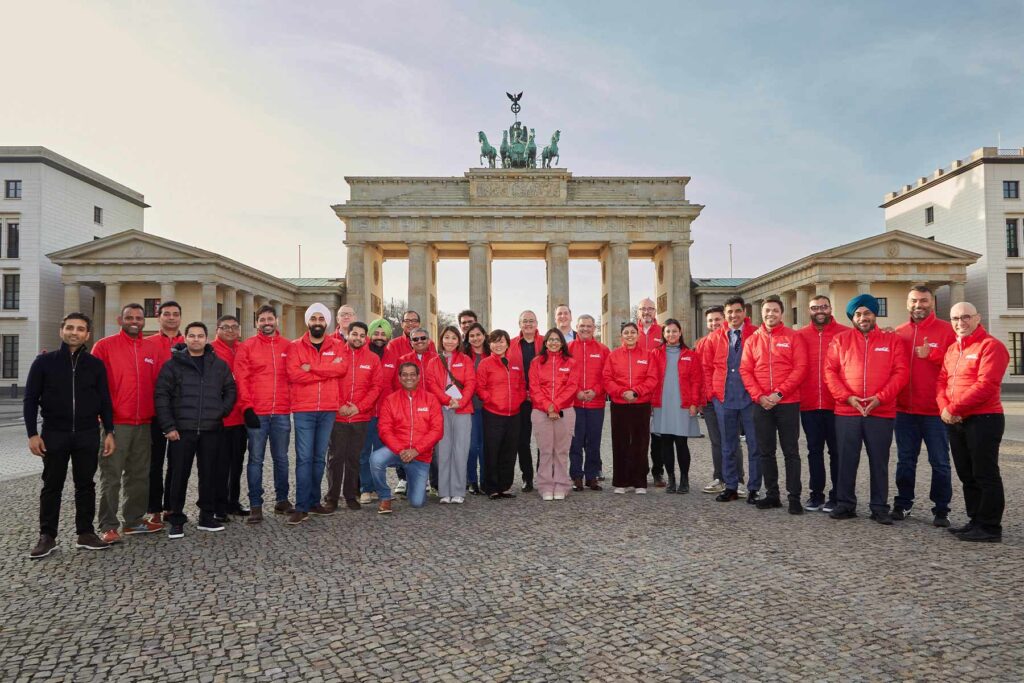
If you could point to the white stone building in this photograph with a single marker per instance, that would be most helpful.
(48, 203)
(975, 204)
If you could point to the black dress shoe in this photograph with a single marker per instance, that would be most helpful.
(841, 513)
(795, 508)
(961, 529)
(527, 487)
(593, 485)
(882, 518)
(752, 498)
(941, 521)
(511, 495)
(684, 486)
(727, 495)
(768, 502)
(979, 535)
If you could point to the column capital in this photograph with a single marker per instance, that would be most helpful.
(478, 242)
(682, 243)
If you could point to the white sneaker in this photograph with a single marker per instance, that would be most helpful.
(619, 490)
(559, 496)
(446, 500)
(365, 498)
(714, 486)
(549, 496)
(400, 488)
(458, 500)
(641, 491)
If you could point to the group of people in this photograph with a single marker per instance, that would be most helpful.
(455, 415)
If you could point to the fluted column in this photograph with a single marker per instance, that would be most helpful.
(558, 278)
(230, 301)
(72, 297)
(480, 281)
(615, 290)
(209, 303)
(168, 291)
(246, 319)
(803, 300)
(112, 309)
(679, 306)
(357, 289)
(422, 285)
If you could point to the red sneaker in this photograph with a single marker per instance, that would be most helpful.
(111, 537)
(144, 527)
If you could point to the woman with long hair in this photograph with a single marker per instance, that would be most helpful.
(476, 346)
(553, 384)
(451, 379)
(501, 385)
(629, 378)
(675, 402)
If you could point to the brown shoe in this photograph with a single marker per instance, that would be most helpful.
(91, 541)
(577, 484)
(297, 517)
(353, 504)
(255, 516)
(593, 485)
(323, 510)
(44, 547)
(283, 507)
(384, 507)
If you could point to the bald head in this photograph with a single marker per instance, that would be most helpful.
(965, 318)
(645, 311)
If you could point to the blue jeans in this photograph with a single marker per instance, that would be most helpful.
(371, 444)
(476, 449)
(312, 436)
(416, 471)
(911, 430)
(585, 449)
(729, 420)
(820, 432)
(277, 428)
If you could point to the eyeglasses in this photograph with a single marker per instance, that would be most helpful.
(229, 327)
(647, 308)
(411, 320)
(958, 318)
(818, 309)
(419, 339)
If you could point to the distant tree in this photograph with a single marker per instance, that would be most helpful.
(393, 310)
(444, 319)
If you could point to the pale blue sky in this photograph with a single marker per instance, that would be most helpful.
(239, 120)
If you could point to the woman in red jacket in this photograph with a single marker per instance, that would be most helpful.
(629, 378)
(452, 381)
(553, 384)
(501, 385)
(675, 401)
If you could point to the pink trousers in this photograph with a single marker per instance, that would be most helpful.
(553, 439)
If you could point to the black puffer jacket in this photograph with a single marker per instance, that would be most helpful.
(188, 400)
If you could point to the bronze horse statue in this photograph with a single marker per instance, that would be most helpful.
(550, 152)
(487, 150)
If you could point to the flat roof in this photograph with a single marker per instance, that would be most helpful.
(42, 155)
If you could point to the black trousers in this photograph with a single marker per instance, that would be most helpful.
(159, 483)
(82, 449)
(784, 420)
(347, 439)
(631, 433)
(673, 447)
(658, 464)
(875, 433)
(974, 444)
(230, 466)
(501, 437)
(523, 442)
(206, 447)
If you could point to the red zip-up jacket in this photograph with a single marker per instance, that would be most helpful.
(715, 356)
(554, 379)
(515, 350)
(228, 354)
(164, 344)
(421, 363)
(649, 340)
(399, 346)
(316, 390)
(814, 393)
(361, 383)
(131, 373)
(262, 376)
(691, 377)
(918, 397)
(971, 375)
(590, 358)
(437, 378)
(774, 360)
(501, 388)
(629, 370)
(861, 366)
(411, 420)
(388, 377)
(701, 350)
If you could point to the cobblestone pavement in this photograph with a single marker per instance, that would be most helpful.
(599, 587)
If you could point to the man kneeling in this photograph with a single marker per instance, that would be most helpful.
(410, 425)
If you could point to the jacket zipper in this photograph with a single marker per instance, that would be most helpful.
(138, 380)
(956, 366)
(202, 390)
(771, 374)
(412, 416)
(910, 382)
(508, 377)
(866, 344)
(273, 361)
(74, 406)
(821, 335)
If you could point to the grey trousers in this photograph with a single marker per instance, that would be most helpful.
(452, 454)
(126, 468)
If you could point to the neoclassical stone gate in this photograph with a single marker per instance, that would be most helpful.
(514, 214)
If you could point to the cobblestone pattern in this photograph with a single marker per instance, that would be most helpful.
(599, 587)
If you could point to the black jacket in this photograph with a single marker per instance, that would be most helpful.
(189, 401)
(72, 391)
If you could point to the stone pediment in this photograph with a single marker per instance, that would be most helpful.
(895, 245)
(130, 245)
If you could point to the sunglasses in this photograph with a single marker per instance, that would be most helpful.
(419, 339)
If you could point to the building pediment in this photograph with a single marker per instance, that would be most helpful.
(131, 245)
(895, 244)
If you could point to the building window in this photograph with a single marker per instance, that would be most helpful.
(1012, 237)
(1015, 290)
(12, 292)
(1011, 189)
(929, 215)
(12, 189)
(1017, 353)
(13, 240)
(97, 215)
(150, 307)
(9, 354)
(883, 307)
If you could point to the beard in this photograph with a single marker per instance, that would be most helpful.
(378, 346)
(317, 330)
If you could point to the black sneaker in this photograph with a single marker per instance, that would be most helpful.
(684, 486)
(176, 531)
(979, 535)
(211, 524)
(727, 495)
(752, 497)
(961, 529)
(767, 503)
(222, 519)
(899, 514)
(829, 506)
(840, 513)
(882, 518)
(814, 503)
(941, 521)
(795, 508)
(45, 546)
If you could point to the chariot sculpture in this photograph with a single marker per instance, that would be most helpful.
(518, 144)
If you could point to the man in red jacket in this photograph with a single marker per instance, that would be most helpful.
(358, 398)
(714, 318)
(817, 407)
(410, 426)
(590, 356)
(130, 361)
(401, 345)
(865, 370)
(773, 367)
(968, 398)
(234, 436)
(917, 413)
(168, 315)
(265, 399)
(523, 348)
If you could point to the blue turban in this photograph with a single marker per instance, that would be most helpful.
(866, 300)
